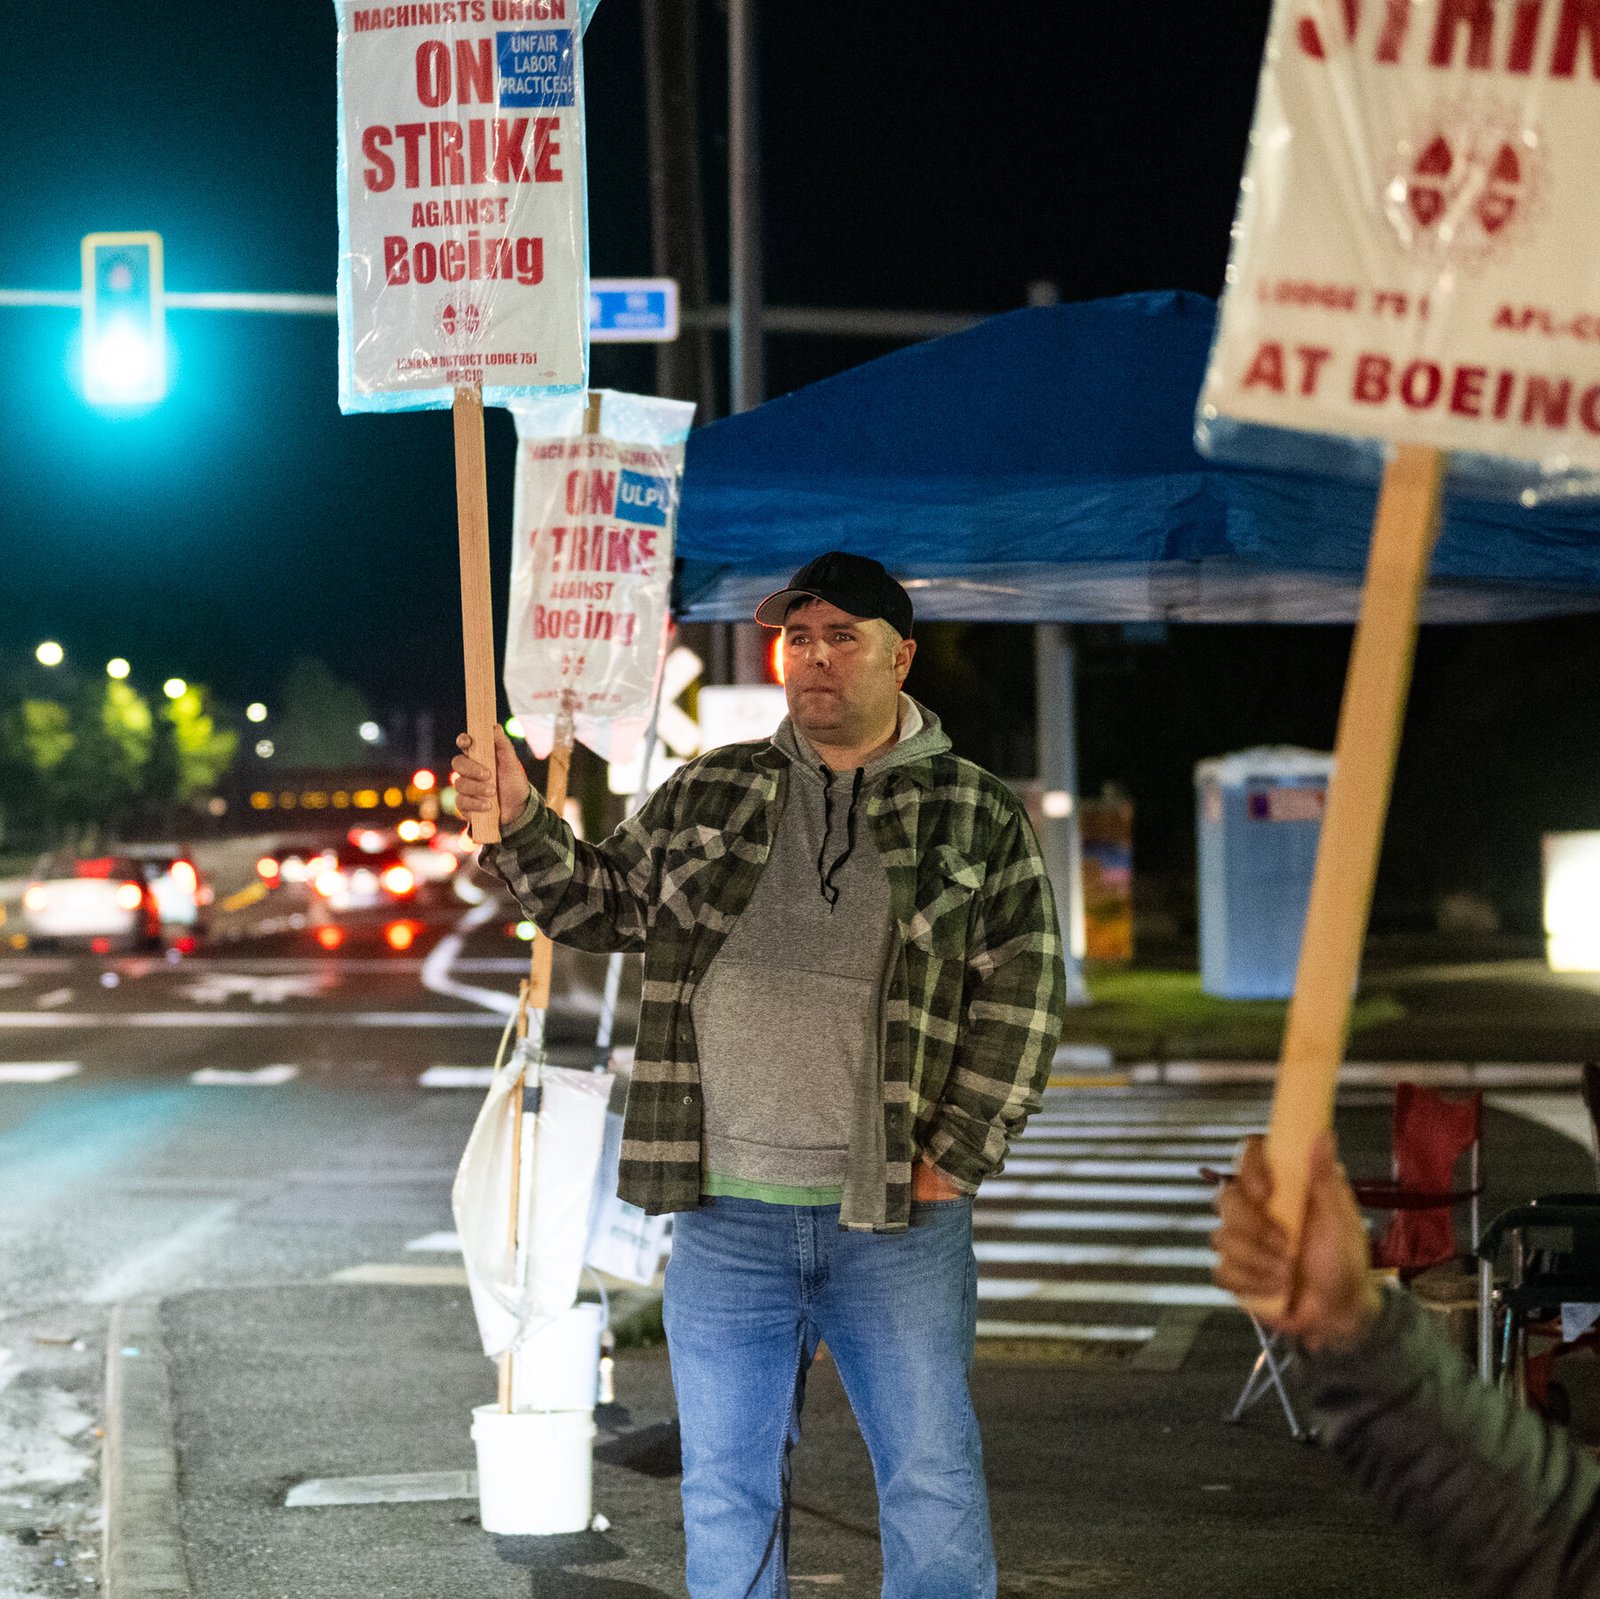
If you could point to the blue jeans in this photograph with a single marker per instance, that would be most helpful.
(751, 1289)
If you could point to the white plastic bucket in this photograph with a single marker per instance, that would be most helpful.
(558, 1368)
(535, 1470)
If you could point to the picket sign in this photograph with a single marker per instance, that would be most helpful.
(1411, 276)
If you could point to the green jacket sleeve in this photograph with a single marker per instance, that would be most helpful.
(598, 897)
(1504, 1501)
(1013, 1007)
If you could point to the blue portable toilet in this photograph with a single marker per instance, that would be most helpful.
(1259, 816)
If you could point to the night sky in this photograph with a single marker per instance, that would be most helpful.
(923, 155)
(911, 160)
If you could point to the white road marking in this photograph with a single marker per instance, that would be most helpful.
(404, 1276)
(217, 988)
(1105, 1221)
(443, 1243)
(1077, 1332)
(1166, 1257)
(1191, 1154)
(38, 1071)
(1027, 1166)
(1462, 1074)
(457, 1077)
(261, 1077)
(406, 1488)
(143, 1272)
(436, 968)
(321, 1020)
(1085, 1128)
(56, 997)
(1077, 1291)
(1096, 1193)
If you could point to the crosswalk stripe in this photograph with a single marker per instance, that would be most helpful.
(261, 1077)
(38, 1071)
(1155, 1132)
(1076, 1332)
(1079, 1291)
(1059, 1193)
(457, 1077)
(1084, 1221)
(1005, 1252)
(1089, 1149)
(1028, 1166)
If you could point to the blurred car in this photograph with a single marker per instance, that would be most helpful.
(366, 893)
(105, 902)
(183, 895)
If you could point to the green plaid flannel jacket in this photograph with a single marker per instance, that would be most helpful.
(976, 991)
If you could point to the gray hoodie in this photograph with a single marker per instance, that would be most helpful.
(789, 1018)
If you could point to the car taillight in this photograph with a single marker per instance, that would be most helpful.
(35, 897)
(129, 896)
(184, 877)
(330, 937)
(399, 880)
(329, 883)
(401, 935)
(267, 869)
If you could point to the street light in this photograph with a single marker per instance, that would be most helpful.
(255, 712)
(124, 320)
(50, 653)
(371, 733)
(174, 688)
(117, 667)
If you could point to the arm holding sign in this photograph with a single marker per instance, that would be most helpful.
(597, 897)
(1506, 1502)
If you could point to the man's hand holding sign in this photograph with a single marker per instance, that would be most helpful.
(1414, 267)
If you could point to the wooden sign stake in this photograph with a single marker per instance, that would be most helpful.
(477, 615)
(1370, 719)
(535, 990)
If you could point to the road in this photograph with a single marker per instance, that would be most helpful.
(260, 1111)
(265, 1113)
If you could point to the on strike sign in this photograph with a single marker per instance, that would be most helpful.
(591, 565)
(463, 242)
(1416, 253)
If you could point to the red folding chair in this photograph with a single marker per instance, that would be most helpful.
(1431, 1135)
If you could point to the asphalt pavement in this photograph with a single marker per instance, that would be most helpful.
(239, 1166)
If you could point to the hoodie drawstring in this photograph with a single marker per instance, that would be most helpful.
(825, 876)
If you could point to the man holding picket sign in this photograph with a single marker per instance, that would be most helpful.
(853, 989)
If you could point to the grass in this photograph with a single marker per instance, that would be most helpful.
(1155, 1015)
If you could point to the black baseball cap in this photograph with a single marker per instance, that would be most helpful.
(855, 583)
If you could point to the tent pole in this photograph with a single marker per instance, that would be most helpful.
(1056, 719)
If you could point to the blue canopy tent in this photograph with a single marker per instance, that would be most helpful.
(1040, 467)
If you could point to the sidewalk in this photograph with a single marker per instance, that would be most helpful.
(1104, 1478)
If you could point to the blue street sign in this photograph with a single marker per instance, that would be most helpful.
(633, 310)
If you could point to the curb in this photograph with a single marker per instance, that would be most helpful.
(143, 1555)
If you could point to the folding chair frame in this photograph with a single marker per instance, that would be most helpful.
(1276, 1357)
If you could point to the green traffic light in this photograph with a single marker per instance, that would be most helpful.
(124, 320)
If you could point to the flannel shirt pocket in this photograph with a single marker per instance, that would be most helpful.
(946, 884)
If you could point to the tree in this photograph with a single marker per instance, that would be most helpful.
(204, 750)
